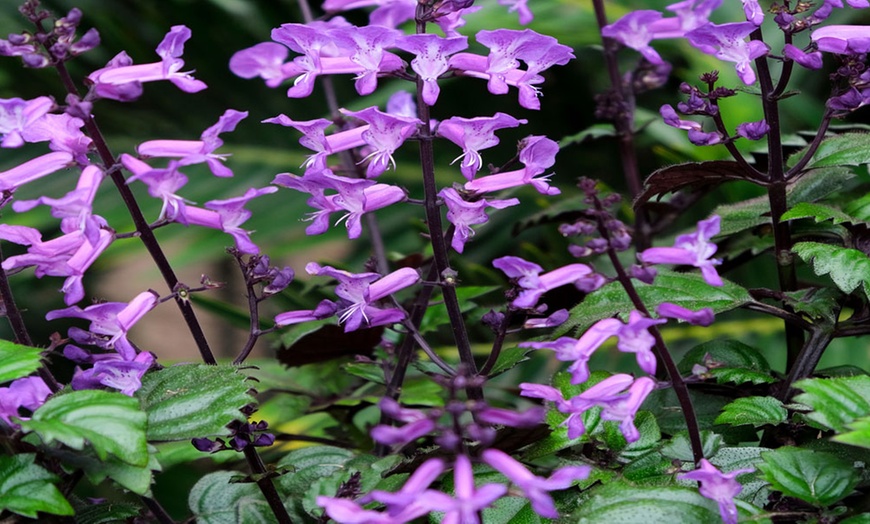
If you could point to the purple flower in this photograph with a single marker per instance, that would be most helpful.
(162, 184)
(17, 115)
(467, 501)
(325, 309)
(754, 13)
(359, 292)
(505, 417)
(75, 208)
(28, 393)
(228, 216)
(463, 214)
(110, 321)
(842, 39)
(694, 250)
(417, 424)
(811, 60)
(121, 92)
(265, 60)
(533, 283)
(41, 166)
(727, 42)
(753, 130)
(474, 134)
(432, 52)
(537, 154)
(113, 371)
(535, 488)
(412, 498)
(197, 151)
(557, 318)
(633, 30)
(703, 317)
(385, 133)
(525, 14)
(718, 486)
(169, 68)
(63, 133)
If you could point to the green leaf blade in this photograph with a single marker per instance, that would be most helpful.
(812, 476)
(26, 488)
(17, 361)
(755, 411)
(848, 268)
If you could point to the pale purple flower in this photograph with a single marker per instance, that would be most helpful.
(197, 151)
(402, 103)
(455, 20)
(413, 495)
(727, 42)
(121, 92)
(110, 321)
(17, 115)
(385, 134)
(753, 11)
(463, 214)
(753, 130)
(718, 486)
(633, 30)
(534, 282)
(228, 216)
(28, 393)
(430, 62)
(515, 419)
(417, 424)
(473, 135)
(113, 371)
(557, 318)
(359, 292)
(521, 8)
(537, 154)
(265, 60)
(535, 488)
(468, 500)
(842, 39)
(812, 60)
(63, 133)
(325, 309)
(34, 169)
(702, 317)
(75, 208)
(169, 68)
(163, 184)
(346, 511)
(695, 250)
(691, 14)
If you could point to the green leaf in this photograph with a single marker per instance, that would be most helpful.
(835, 402)
(756, 411)
(105, 513)
(723, 353)
(740, 376)
(859, 434)
(134, 478)
(369, 468)
(817, 303)
(110, 422)
(622, 503)
(680, 448)
(818, 212)
(815, 477)
(650, 435)
(215, 499)
(590, 133)
(688, 290)
(309, 466)
(848, 149)
(848, 268)
(193, 400)
(26, 488)
(509, 358)
(17, 361)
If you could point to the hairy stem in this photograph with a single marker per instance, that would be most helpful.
(266, 486)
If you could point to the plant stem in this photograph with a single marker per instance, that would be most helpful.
(266, 486)
(776, 192)
(16, 322)
(445, 274)
(623, 122)
(142, 227)
(662, 354)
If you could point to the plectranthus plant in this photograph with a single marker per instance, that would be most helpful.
(666, 328)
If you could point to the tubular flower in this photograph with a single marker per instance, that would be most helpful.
(694, 250)
(721, 487)
(533, 283)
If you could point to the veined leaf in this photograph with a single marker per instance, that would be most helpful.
(694, 175)
(818, 212)
(112, 423)
(858, 434)
(26, 488)
(688, 290)
(17, 361)
(813, 476)
(215, 499)
(756, 411)
(193, 400)
(847, 267)
(848, 149)
(105, 513)
(134, 478)
(835, 402)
